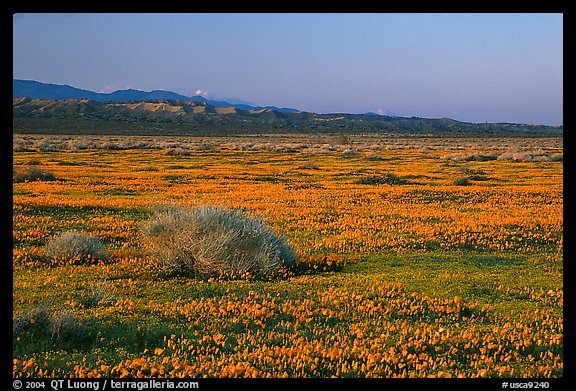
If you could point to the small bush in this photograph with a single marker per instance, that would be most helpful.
(387, 178)
(34, 162)
(208, 240)
(32, 173)
(47, 146)
(481, 157)
(373, 156)
(98, 295)
(341, 139)
(478, 178)
(349, 152)
(206, 147)
(22, 148)
(557, 157)
(461, 182)
(309, 166)
(75, 247)
(538, 156)
(148, 168)
(41, 321)
(38, 318)
(177, 152)
(65, 325)
(470, 171)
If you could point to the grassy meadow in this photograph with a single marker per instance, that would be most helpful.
(419, 257)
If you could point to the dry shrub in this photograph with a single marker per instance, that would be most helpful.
(148, 168)
(41, 320)
(65, 325)
(537, 156)
(177, 152)
(309, 166)
(386, 178)
(470, 171)
(481, 157)
(373, 156)
(99, 294)
(22, 148)
(38, 317)
(75, 247)
(461, 182)
(48, 146)
(341, 139)
(208, 240)
(33, 162)
(559, 157)
(32, 173)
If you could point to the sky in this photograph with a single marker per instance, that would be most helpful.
(501, 67)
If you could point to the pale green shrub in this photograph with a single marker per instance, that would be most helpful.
(209, 240)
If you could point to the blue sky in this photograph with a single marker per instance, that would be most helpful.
(470, 67)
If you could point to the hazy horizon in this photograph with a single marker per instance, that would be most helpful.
(469, 67)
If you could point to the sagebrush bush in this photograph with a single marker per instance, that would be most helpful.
(309, 166)
(148, 168)
(33, 162)
(373, 156)
(38, 317)
(467, 170)
(207, 240)
(32, 173)
(75, 247)
(22, 148)
(341, 139)
(65, 325)
(481, 157)
(41, 320)
(461, 182)
(537, 156)
(387, 178)
(177, 152)
(99, 294)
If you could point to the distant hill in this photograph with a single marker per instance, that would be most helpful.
(199, 117)
(37, 90)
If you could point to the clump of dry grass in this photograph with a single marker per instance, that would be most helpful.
(512, 155)
(177, 152)
(32, 173)
(535, 156)
(38, 317)
(21, 148)
(75, 247)
(33, 162)
(309, 166)
(99, 294)
(471, 171)
(341, 139)
(41, 320)
(386, 178)
(461, 181)
(207, 240)
(148, 168)
(481, 157)
(373, 156)
(65, 325)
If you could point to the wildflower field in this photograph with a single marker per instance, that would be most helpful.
(417, 257)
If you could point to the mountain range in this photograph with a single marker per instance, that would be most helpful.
(37, 90)
(48, 108)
